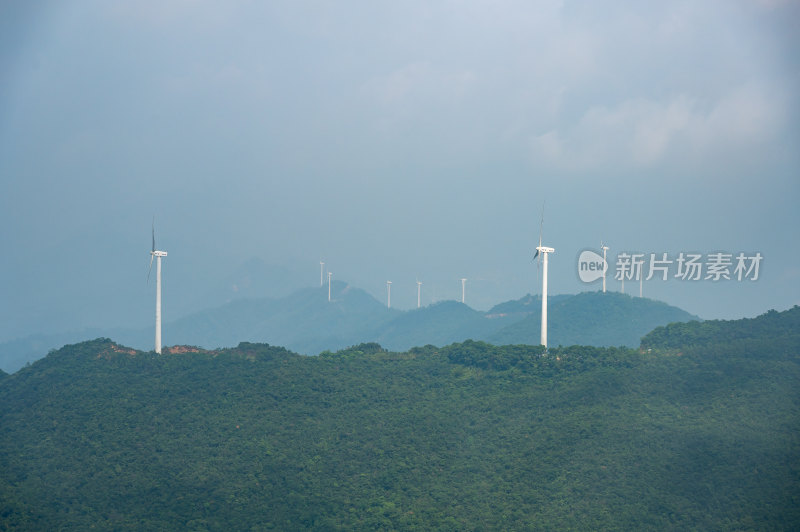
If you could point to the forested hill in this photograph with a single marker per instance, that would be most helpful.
(777, 328)
(470, 436)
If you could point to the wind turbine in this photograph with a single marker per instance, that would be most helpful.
(157, 255)
(329, 285)
(463, 289)
(542, 252)
(389, 294)
(605, 267)
(321, 269)
(419, 291)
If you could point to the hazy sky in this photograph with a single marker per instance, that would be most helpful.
(394, 140)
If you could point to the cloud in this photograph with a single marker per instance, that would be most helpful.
(420, 82)
(203, 14)
(641, 133)
(749, 114)
(635, 133)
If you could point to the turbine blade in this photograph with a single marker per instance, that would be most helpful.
(150, 268)
(154, 234)
(538, 254)
(541, 227)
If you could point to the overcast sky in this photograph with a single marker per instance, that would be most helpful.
(395, 141)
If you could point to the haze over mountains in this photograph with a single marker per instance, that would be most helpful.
(305, 322)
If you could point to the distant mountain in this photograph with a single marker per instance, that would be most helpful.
(253, 279)
(592, 318)
(306, 322)
(438, 324)
(523, 307)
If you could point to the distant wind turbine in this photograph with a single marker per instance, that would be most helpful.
(321, 269)
(463, 289)
(329, 285)
(419, 292)
(389, 294)
(542, 252)
(605, 267)
(154, 254)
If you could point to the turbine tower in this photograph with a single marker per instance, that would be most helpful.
(419, 292)
(321, 269)
(329, 285)
(641, 282)
(542, 252)
(605, 267)
(463, 289)
(389, 294)
(157, 255)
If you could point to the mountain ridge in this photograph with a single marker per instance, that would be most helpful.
(307, 323)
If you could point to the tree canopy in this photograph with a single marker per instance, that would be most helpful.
(701, 431)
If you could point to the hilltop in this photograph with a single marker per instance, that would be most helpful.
(470, 436)
(592, 318)
(306, 322)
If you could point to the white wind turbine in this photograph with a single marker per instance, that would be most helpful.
(463, 289)
(329, 285)
(157, 255)
(321, 269)
(419, 292)
(605, 267)
(542, 252)
(389, 294)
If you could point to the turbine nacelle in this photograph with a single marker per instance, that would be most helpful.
(544, 249)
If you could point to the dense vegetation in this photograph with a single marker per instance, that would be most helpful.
(697, 433)
(777, 328)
